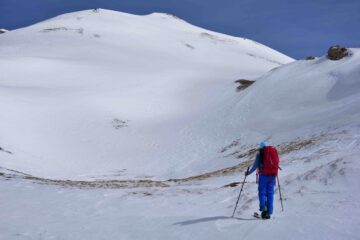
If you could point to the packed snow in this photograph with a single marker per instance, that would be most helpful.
(118, 126)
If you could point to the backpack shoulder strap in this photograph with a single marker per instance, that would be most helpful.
(261, 155)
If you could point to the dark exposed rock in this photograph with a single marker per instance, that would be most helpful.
(55, 29)
(336, 52)
(189, 46)
(117, 123)
(3, 150)
(310, 58)
(243, 84)
(233, 184)
(2, 30)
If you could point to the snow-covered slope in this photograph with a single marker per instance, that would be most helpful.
(292, 101)
(108, 95)
(305, 93)
(96, 94)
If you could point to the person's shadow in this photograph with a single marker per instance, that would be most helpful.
(210, 219)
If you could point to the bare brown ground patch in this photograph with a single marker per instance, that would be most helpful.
(284, 148)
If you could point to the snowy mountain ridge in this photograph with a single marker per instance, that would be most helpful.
(110, 91)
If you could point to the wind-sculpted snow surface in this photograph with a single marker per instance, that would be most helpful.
(318, 186)
(90, 94)
(116, 126)
(304, 93)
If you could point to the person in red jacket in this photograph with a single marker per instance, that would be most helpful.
(267, 163)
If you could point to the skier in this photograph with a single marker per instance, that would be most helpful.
(267, 163)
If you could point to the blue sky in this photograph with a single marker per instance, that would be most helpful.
(294, 27)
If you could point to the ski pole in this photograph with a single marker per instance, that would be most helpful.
(282, 207)
(240, 193)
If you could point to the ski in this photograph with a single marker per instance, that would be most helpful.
(257, 215)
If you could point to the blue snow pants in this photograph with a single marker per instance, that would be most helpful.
(266, 192)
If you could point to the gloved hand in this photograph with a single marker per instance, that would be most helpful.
(246, 173)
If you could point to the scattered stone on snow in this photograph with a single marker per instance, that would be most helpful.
(244, 83)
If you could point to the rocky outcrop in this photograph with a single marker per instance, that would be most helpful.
(336, 52)
(244, 83)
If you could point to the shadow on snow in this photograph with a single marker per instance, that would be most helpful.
(210, 219)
